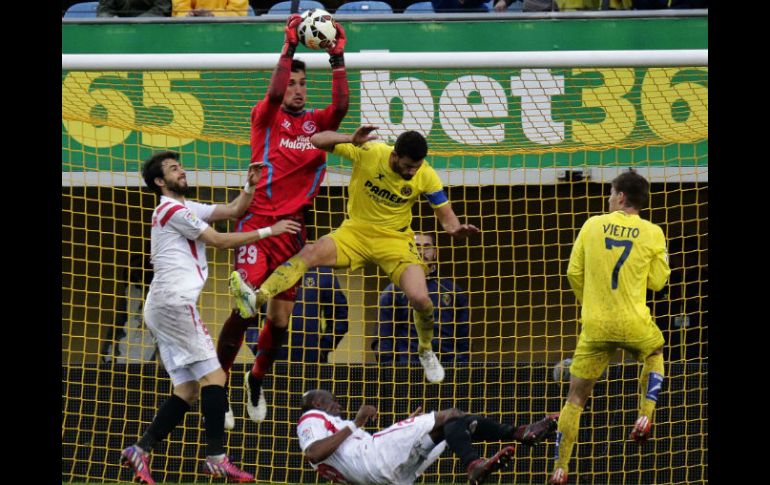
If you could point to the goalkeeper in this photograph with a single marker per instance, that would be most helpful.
(386, 182)
(292, 174)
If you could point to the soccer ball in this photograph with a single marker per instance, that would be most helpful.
(561, 370)
(316, 30)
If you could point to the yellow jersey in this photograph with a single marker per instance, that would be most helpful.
(380, 196)
(615, 259)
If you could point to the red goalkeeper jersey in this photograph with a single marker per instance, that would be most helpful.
(294, 169)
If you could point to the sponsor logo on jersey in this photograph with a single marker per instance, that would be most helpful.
(309, 127)
(301, 143)
(190, 217)
(406, 191)
(381, 194)
(286, 124)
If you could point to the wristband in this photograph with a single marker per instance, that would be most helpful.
(353, 427)
(288, 50)
(249, 189)
(337, 60)
(264, 232)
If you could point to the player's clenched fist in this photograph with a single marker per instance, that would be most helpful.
(292, 38)
(338, 46)
(365, 414)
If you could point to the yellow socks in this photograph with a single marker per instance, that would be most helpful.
(423, 322)
(650, 384)
(283, 277)
(569, 423)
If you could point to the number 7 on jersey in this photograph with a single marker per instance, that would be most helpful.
(626, 245)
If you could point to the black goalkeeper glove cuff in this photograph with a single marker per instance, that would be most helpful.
(337, 60)
(288, 50)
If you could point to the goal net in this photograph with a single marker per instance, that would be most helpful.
(526, 152)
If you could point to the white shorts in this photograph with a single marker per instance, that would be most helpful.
(194, 371)
(177, 327)
(396, 450)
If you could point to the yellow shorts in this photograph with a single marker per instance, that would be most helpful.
(393, 251)
(591, 358)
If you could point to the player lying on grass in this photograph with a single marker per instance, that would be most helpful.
(339, 451)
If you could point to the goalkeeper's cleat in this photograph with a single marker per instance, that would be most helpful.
(256, 404)
(434, 371)
(479, 470)
(558, 477)
(226, 469)
(642, 428)
(245, 299)
(534, 433)
(139, 461)
(229, 418)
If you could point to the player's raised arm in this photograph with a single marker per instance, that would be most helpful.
(238, 206)
(451, 223)
(280, 78)
(340, 91)
(327, 140)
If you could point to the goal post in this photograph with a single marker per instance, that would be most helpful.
(526, 144)
(392, 60)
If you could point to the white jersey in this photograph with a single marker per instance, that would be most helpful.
(390, 456)
(178, 257)
(180, 271)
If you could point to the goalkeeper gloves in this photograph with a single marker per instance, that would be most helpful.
(337, 50)
(292, 38)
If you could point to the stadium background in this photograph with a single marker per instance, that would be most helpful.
(523, 314)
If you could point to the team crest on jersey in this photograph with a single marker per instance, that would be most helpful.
(307, 434)
(446, 299)
(244, 274)
(406, 191)
(309, 127)
(310, 282)
(286, 124)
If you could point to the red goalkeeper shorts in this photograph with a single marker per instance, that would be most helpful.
(256, 261)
